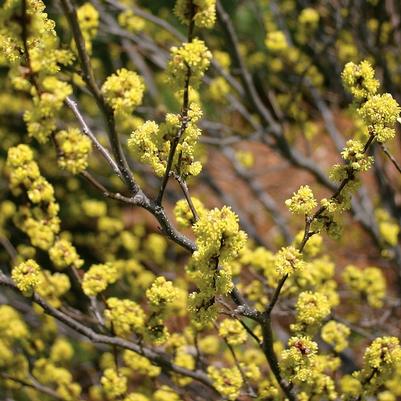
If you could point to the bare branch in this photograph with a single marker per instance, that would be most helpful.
(87, 131)
(391, 157)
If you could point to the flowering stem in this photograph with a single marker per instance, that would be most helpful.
(174, 144)
(24, 37)
(184, 114)
(266, 320)
(308, 222)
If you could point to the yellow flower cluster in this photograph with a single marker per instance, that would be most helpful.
(217, 91)
(380, 361)
(7, 210)
(145, 142)
(218, 241)
(165, 393)
(161, 293)
(188, 62)
(48, 373)
(98, 277)
(23, 169)
(151, 143)
(302, 202)
(131, 22)
(380, 114)
(123, 91)
(245, 158)
(227, 381)
(262, 261)
(360, 80)
(114, 384)
(42, 41)
(156, 330)
(40, 222)
(288, 260)
(388, 227)
(140, 364)
(53, 286)
(233, 331)
(12, 327)
(41, 120)
(336, 334)
(276, 41)
(218, 236)
(311, 308)
(74, 148)
(353, 153)
(136, 397)
(88, 18)
(318, 276)
(309, 18)
(61, 351)
(27, 276)
(63, 254)
(156, 246)
(183, 213)
(41, 191)
(298, 359)
(356, 160)
(162, 296)
(125, 316)
(351, 387)
(185, 360)
(203, 12)
(368, 283)
(94, 208)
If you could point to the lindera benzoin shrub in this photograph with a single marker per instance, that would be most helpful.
(113, 107)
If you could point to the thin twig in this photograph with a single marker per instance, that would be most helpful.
(391, 157)
(112, 195)
(88, 132)
(308, 222)
(184, 187)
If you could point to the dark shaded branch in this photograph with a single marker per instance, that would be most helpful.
(271, 357)
(9, 247)
(391, 157)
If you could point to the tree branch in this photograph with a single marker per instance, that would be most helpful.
(89, 78)
(156, 357)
